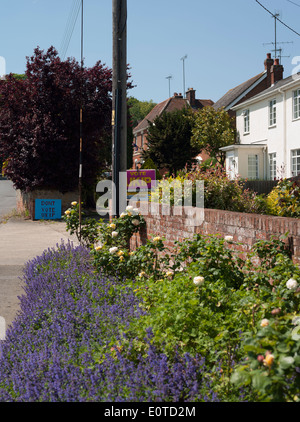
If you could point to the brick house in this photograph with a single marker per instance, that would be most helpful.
(177, 102)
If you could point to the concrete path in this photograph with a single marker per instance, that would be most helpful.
(20, 241)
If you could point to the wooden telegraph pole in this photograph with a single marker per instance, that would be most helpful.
(119, 87)
(81, 129)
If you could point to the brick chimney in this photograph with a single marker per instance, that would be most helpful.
(268, 65)
(191, 96)
(276, 72)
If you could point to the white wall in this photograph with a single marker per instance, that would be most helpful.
(281, 138)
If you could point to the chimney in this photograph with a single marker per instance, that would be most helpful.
(268, 65)
(276, 72)
(191, 96)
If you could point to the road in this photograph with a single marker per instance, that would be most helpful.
(7, 197)
(10, 285)
(20, 241)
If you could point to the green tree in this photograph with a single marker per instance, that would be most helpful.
(169, 141)
(138, 110)
(212, 130)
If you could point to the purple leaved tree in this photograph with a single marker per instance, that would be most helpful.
(40, 122)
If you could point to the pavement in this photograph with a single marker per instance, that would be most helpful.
(20, 241)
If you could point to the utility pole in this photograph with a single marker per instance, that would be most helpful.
(169, 78)
(81, 130)
(183, 59)
(119, 91)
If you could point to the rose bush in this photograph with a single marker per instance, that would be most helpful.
(208, 300)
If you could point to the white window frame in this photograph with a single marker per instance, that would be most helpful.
(142, 141)
(296, 104)
(272, 113)
(246, 114)
(295, 162)
(272, 166)
(250, 176)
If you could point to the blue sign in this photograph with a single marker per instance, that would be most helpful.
(48, 209)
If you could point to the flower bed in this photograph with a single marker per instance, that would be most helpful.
(60, 346)
(110, 324)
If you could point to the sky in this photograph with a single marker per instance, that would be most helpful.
(225, 41)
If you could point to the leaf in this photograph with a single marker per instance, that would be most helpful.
(286, 361)
(240, 377)
(260, 381)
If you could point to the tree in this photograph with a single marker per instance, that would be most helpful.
(39, 122)
(138, 110)
(168, 141)
(212, 129)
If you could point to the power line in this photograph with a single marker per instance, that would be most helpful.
(296, 4)
(73, 16)
(279, 20)
(70, 26)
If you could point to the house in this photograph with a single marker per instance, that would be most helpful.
(268, 131)
(177, 102)
(249, 88)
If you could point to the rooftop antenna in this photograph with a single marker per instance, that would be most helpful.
(183, 60)
(169, 78)
(277, 50)
(276, 16)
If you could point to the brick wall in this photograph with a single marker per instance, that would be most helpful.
(245, 228)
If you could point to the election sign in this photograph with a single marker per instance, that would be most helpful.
(135, 176)
(48, 209)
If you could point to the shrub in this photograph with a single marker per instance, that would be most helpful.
(205, 299)
(284, 200)
(219, 191)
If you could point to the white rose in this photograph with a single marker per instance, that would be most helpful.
(129, 208)
(135, 222)
(292, 284)
(114, 234)
(123, 214)
(113, 250)
(228, 238)
(296, 320)
(264, 322)
(198, 280)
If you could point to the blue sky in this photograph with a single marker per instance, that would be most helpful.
(223, 40)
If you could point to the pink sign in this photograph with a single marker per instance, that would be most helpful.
(135, 176)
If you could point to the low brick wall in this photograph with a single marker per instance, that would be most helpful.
(245, 228)
(26, 201)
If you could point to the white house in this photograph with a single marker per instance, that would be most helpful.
(268, 133)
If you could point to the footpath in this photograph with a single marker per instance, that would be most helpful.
(20, 241)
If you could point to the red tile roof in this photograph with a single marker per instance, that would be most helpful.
(171, 104)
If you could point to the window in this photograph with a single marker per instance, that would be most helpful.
(295, 162)
(272, 113)
(253, 166)
(272, 166)
(246, 121)
(296, 104)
